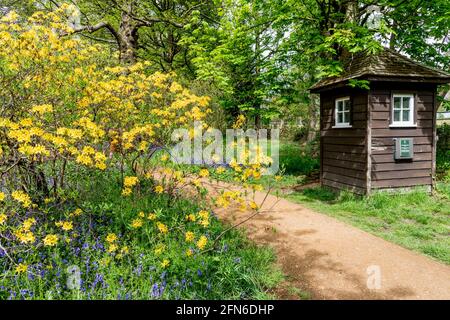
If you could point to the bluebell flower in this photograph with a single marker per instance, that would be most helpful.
(155, 291)
(12, 295)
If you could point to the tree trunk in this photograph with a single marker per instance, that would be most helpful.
(313, 119)
(128, 37)
(258, 119)
(257, 105)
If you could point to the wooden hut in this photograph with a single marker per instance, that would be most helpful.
(383, 137)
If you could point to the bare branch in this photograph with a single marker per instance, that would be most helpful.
(153, 20)
(98, 26)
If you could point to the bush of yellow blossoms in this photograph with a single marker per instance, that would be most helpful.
(81, 211)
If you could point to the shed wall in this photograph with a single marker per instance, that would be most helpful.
(385, 171)
(343, 150)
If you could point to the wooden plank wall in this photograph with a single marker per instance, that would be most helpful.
(386, 172)
(343, 152)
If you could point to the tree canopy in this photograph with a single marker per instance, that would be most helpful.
(259, 57)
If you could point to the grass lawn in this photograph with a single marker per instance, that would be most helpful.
(414, 220)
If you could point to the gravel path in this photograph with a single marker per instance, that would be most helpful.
(333, 260)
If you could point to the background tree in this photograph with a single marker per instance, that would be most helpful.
(259, 58)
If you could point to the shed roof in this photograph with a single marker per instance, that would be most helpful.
(386, 65)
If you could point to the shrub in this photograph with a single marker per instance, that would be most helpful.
(77, 189)
(443, 151)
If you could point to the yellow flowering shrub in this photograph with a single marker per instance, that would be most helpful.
(68, 106)
(68, 102)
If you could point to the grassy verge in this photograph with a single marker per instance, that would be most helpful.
(413, 220)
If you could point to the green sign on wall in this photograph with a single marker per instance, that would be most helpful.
(404, 148)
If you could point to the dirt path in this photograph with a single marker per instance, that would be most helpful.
(330, 259)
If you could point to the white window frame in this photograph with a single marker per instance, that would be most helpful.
(402, 123)
(342, 124)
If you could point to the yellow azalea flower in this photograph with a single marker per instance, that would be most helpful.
(204, 223)
(189, 236)
(66, 225)
(141, 214)
(220, 170)
(126, 191)
(159, 249)
(28, 223)
(130, 181)
(162, 227)
(3, 218)
(111, 237)
(112, 248)
(159, 189)
(151, 216)
(165, 263)
(164, 157)
(201, 243)
(191, 217)
(50, 240)
(125, 250)
(254, 205)
(189, 252)
(25, 237)
(41, 109)
(203, 214)
(256, 174)
(2, 196)
(278, 178)
(22, 197)
(76, 213)
(197, 183)
(203, 173)
(258, 187)
(136, 223)
(21, 268)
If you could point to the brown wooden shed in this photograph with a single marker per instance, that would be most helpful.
(383, 137)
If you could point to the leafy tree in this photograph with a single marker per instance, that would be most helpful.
(123, 22)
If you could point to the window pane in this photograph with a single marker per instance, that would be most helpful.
(347, 105)
(340, 117)
(406, 101)
(396, 115)
(406, 115)
(397, 101)
(340, 108)
(347, 117)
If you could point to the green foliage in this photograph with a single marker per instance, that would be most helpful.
(443, 152)
(363, 84)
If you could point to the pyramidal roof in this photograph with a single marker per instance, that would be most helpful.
(385, 65)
